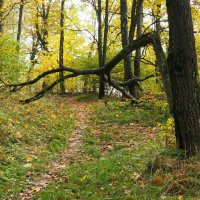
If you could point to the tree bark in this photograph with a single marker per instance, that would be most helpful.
(133, 20)
(1, 15)
(183, 70)
(139, 33)
(105, 33)
(100, 51)
(61, 49)
(163, 67)
(19, 30)
(42, 29)
(34, 50)
(128, 74)
(135, 11)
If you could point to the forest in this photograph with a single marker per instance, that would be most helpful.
(99, 99)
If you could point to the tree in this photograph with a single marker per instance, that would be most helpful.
(42, 31)
(100, 52)
(181, 64)
(138, 54)
(125, 40)
(127, 37)
(183, 70)
(19, 30)
(104, 53)
(1, 15)
(105, 71)
(102, 37)
(61, 48)
(139, 33)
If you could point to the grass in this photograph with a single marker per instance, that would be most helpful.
(87, 97)
(123, 153)
(148, 113)
(116, 153)
(31, 137)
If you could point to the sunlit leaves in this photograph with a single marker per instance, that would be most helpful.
(11, 62)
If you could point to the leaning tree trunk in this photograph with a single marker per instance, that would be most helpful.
(183, 70)
(163, 67)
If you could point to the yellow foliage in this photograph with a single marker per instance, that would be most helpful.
(29, 159)
(84, 178)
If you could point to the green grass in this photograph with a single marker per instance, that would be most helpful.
(31, 137)
(87, 97)
(118, 161)
(148, 113)
(110, 177)
(122, 156)
(120, 174)
(112, 161)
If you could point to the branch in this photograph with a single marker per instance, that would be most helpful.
(45, 90)
(121, 89)
(19, 86)
(135, 44)
(142, 41)
(135, 80)
(1, 80)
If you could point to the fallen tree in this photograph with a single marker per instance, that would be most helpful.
(143, 41)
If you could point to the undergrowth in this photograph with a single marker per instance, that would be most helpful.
(125, 152)
(124, 156)
(31, 137)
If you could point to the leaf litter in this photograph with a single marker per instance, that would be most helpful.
(65, 158)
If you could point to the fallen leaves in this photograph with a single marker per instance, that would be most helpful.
(29, 159)
(84, 178)
(158, 180)
(135, 176)
(18, 135)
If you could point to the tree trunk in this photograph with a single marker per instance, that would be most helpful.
(34, 51)
(138, 53)
(133, 20)
(125, 40)
(105, 33)
(139, 33)
(163, 67)
(1, 16)
(61, 48)
(183, 70)
(100, 52)
(19, 30)
(135, 11)
(42, 28)
(105, 44)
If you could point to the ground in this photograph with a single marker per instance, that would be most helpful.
(78, 147)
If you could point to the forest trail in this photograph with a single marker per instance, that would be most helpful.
(81, 111)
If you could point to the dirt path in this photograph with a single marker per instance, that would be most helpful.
(81, 111)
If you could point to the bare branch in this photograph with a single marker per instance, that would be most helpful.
(119, 88)
(45, 90)
(135, 80)
(142, 41)
(19, 86)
